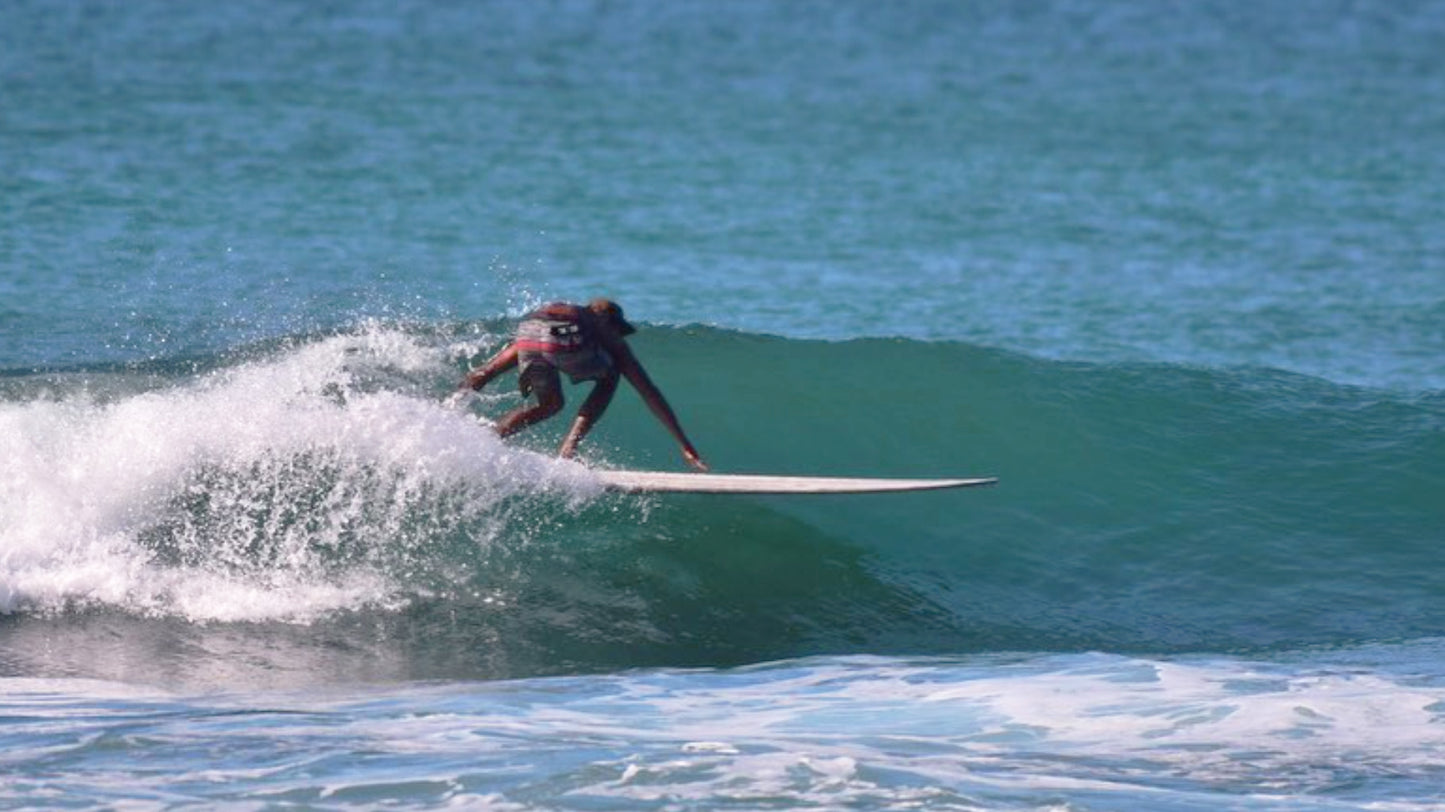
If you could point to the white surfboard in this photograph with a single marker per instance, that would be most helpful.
(671, 482)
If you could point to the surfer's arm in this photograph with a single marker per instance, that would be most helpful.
(632, 370)
(501, 362)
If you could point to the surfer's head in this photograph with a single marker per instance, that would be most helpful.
(612, 313)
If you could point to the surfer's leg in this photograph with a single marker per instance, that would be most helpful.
(544, 382)
(590, 412)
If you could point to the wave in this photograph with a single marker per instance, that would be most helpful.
(320, 482)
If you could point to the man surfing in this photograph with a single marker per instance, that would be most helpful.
(588, 343)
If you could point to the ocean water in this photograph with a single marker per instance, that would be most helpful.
(1174, 272)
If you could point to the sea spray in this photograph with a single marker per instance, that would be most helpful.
(281, 487)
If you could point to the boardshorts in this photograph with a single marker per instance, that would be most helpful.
(547, 347)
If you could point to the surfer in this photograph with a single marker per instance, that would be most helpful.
(589, 344)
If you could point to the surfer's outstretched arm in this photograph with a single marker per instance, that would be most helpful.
(589, 414)
(631, 369)
(501, 362)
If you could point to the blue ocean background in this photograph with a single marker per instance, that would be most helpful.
(1174, 272)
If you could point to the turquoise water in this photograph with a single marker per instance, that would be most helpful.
(1172, 273)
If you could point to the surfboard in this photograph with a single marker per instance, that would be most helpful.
(672, 482)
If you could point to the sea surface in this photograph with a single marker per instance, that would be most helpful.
(1173, 271)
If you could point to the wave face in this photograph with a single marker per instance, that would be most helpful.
(313, 501)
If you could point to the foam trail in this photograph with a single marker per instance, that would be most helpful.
(1018, 724)
(278, 488)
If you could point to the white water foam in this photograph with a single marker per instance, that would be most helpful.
(1018, 732)
(849, 732)
(277, 488)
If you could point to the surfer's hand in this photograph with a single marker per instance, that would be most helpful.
(694, 460)
(461, 399)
